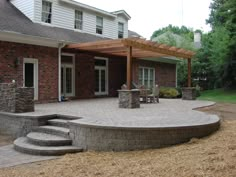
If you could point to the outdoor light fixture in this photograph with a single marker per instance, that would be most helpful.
(17, 62)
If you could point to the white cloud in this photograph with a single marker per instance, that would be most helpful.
(150, 15)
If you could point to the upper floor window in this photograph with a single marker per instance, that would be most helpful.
(78, 19)
(99, 25)
(46, 11)
(120, 30)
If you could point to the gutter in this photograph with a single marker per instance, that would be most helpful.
(12, 36)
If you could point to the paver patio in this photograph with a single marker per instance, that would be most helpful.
(105, 112)
(9, 157)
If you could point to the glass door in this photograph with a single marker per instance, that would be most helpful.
(67, 84)
(101, 77)
(30, 73)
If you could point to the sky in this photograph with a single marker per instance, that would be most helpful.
(150, 15)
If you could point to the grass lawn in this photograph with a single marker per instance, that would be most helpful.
(219, 95)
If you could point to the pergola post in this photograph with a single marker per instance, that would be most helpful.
(129, 67)
(189, 72)
(189, 93)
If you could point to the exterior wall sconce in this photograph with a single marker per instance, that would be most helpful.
(17, 62)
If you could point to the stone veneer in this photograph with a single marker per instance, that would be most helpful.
(16, 100)
(129, 98)
(189, 93)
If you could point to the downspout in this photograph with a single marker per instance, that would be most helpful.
(60, 46)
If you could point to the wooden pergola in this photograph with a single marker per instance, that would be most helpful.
(135, 48)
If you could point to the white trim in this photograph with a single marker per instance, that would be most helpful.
(76, 29)
(154, 74)
(41, 11)
(73, 72)
(27, 39)
(106, 68)
(94, 9)
(35, 62)
(122, 12)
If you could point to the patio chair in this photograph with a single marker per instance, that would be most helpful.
(143, 94)
(154, 97)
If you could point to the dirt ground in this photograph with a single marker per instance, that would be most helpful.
(213, 156)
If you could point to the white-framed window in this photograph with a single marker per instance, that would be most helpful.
(120, 30)
(146, 76)
(78, 19)
(46, 11)
(99, 25)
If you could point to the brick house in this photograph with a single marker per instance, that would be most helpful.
(33, 34)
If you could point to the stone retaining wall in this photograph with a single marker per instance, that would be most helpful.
(102, 138)
(17, 125)
(16, 100)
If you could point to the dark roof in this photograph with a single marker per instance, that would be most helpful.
(11, 19)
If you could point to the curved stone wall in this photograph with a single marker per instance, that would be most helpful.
(104, 138)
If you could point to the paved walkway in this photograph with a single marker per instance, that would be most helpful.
(9, 157)
(105, 112)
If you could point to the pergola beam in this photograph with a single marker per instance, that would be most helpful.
(134, 48)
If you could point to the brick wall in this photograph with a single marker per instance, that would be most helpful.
(165, 73)
(11, 66)
(84, 75)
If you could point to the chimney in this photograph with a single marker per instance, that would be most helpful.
(197, 39)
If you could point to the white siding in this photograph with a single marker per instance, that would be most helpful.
(123, 20)
(25, 6)
(63, 17)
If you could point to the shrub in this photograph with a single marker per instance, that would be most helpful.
(180, 92)
(168, 92)
(198, 91)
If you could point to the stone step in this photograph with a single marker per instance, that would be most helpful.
(23, 145)
(60, 131)
(66, 117)
(59, 122)
(45, 139)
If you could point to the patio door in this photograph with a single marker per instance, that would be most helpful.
(30, 75)
(67, 76)
(101, 76)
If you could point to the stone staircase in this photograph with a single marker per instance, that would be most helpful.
(51, 140)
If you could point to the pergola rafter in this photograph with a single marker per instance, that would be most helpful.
(135, 48)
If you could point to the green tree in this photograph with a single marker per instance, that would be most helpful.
(182, 38)
(223, 17)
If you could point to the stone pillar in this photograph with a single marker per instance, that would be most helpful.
(129, 98)
(16, 100)
(24, 100)
(189, 93)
